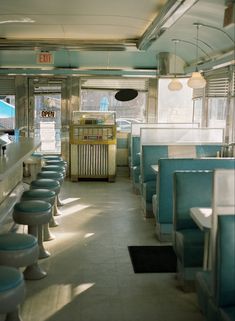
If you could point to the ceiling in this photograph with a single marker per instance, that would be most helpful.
(110, 36)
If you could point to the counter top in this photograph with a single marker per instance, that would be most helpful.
(16, 153)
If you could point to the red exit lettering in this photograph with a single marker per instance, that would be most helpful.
(45, 58)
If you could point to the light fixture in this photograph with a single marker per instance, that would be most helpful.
(168, 15)
(175, 84)
(197, 80)
(22, 20)
(126, 94)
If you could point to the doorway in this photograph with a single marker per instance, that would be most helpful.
(47, 116)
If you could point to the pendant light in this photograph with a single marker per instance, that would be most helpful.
(175, 84)
(197, 80)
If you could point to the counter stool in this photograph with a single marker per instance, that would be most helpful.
(12, 292)
(47, 196)
(52, 157)
(34, 213)
(58, 176)
(50, 184)
(20, 250)
(57, 162)
(53, 175)
(55, 168)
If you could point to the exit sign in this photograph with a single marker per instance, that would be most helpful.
(45, 58)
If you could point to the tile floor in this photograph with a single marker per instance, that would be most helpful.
(90, 276)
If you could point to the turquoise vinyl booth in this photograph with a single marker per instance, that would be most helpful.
(151, 154)
(191, 189)
(216, 285)
(164, 195)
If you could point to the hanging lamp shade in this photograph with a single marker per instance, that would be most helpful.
(196, 81)
(175, 85)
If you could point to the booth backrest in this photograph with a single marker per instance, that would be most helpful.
(224, 272)
(223, 237)
(191, 189)
(165, 180)
(135, 150)
(150, 154)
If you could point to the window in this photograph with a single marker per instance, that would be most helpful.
(7, 112)
(174, 106)
(217, 112)
(99, 95)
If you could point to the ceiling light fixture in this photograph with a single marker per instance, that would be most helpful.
(175, 84)
(22, 20)
(169, 14)
(197, 80)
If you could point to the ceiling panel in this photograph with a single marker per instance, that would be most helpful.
(113, 29)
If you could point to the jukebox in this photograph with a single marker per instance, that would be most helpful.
(93, 145)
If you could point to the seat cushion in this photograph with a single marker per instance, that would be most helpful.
(10, 278)
(149, 189)
(45, 182)
(189, 247)
(38, 193)
(203, 282)
(15, 241)
(32, 206)
(228, 313)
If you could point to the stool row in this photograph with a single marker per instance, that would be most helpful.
(36, 209)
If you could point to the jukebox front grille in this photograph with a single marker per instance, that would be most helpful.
(92, 160)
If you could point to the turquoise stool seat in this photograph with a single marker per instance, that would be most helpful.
(21, 250)
(52, 157)
(55, 168)
(51, 175)
(12, 292)
(35, 214)
(46, 183)
(57, 162)
(50, 184)
(47, 196)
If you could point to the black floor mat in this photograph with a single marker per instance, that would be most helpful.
(153, 259)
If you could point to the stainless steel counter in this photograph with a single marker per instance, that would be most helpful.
(16, 153)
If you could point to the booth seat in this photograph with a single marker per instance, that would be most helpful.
(216, 288)
(150, 155)
(190, 189)
(134, 163)
(164, 192)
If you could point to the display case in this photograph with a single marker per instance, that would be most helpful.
(93, 145)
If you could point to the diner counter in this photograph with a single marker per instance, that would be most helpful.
(15, 154)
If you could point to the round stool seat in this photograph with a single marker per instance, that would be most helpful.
(18, 250)
(52, 175)
(37, 154)
(21, 250)
(47, 183)
(12, 289)
(56, 162)
(54, 168)
(46, 195)
(32, 212)
(52, 157)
